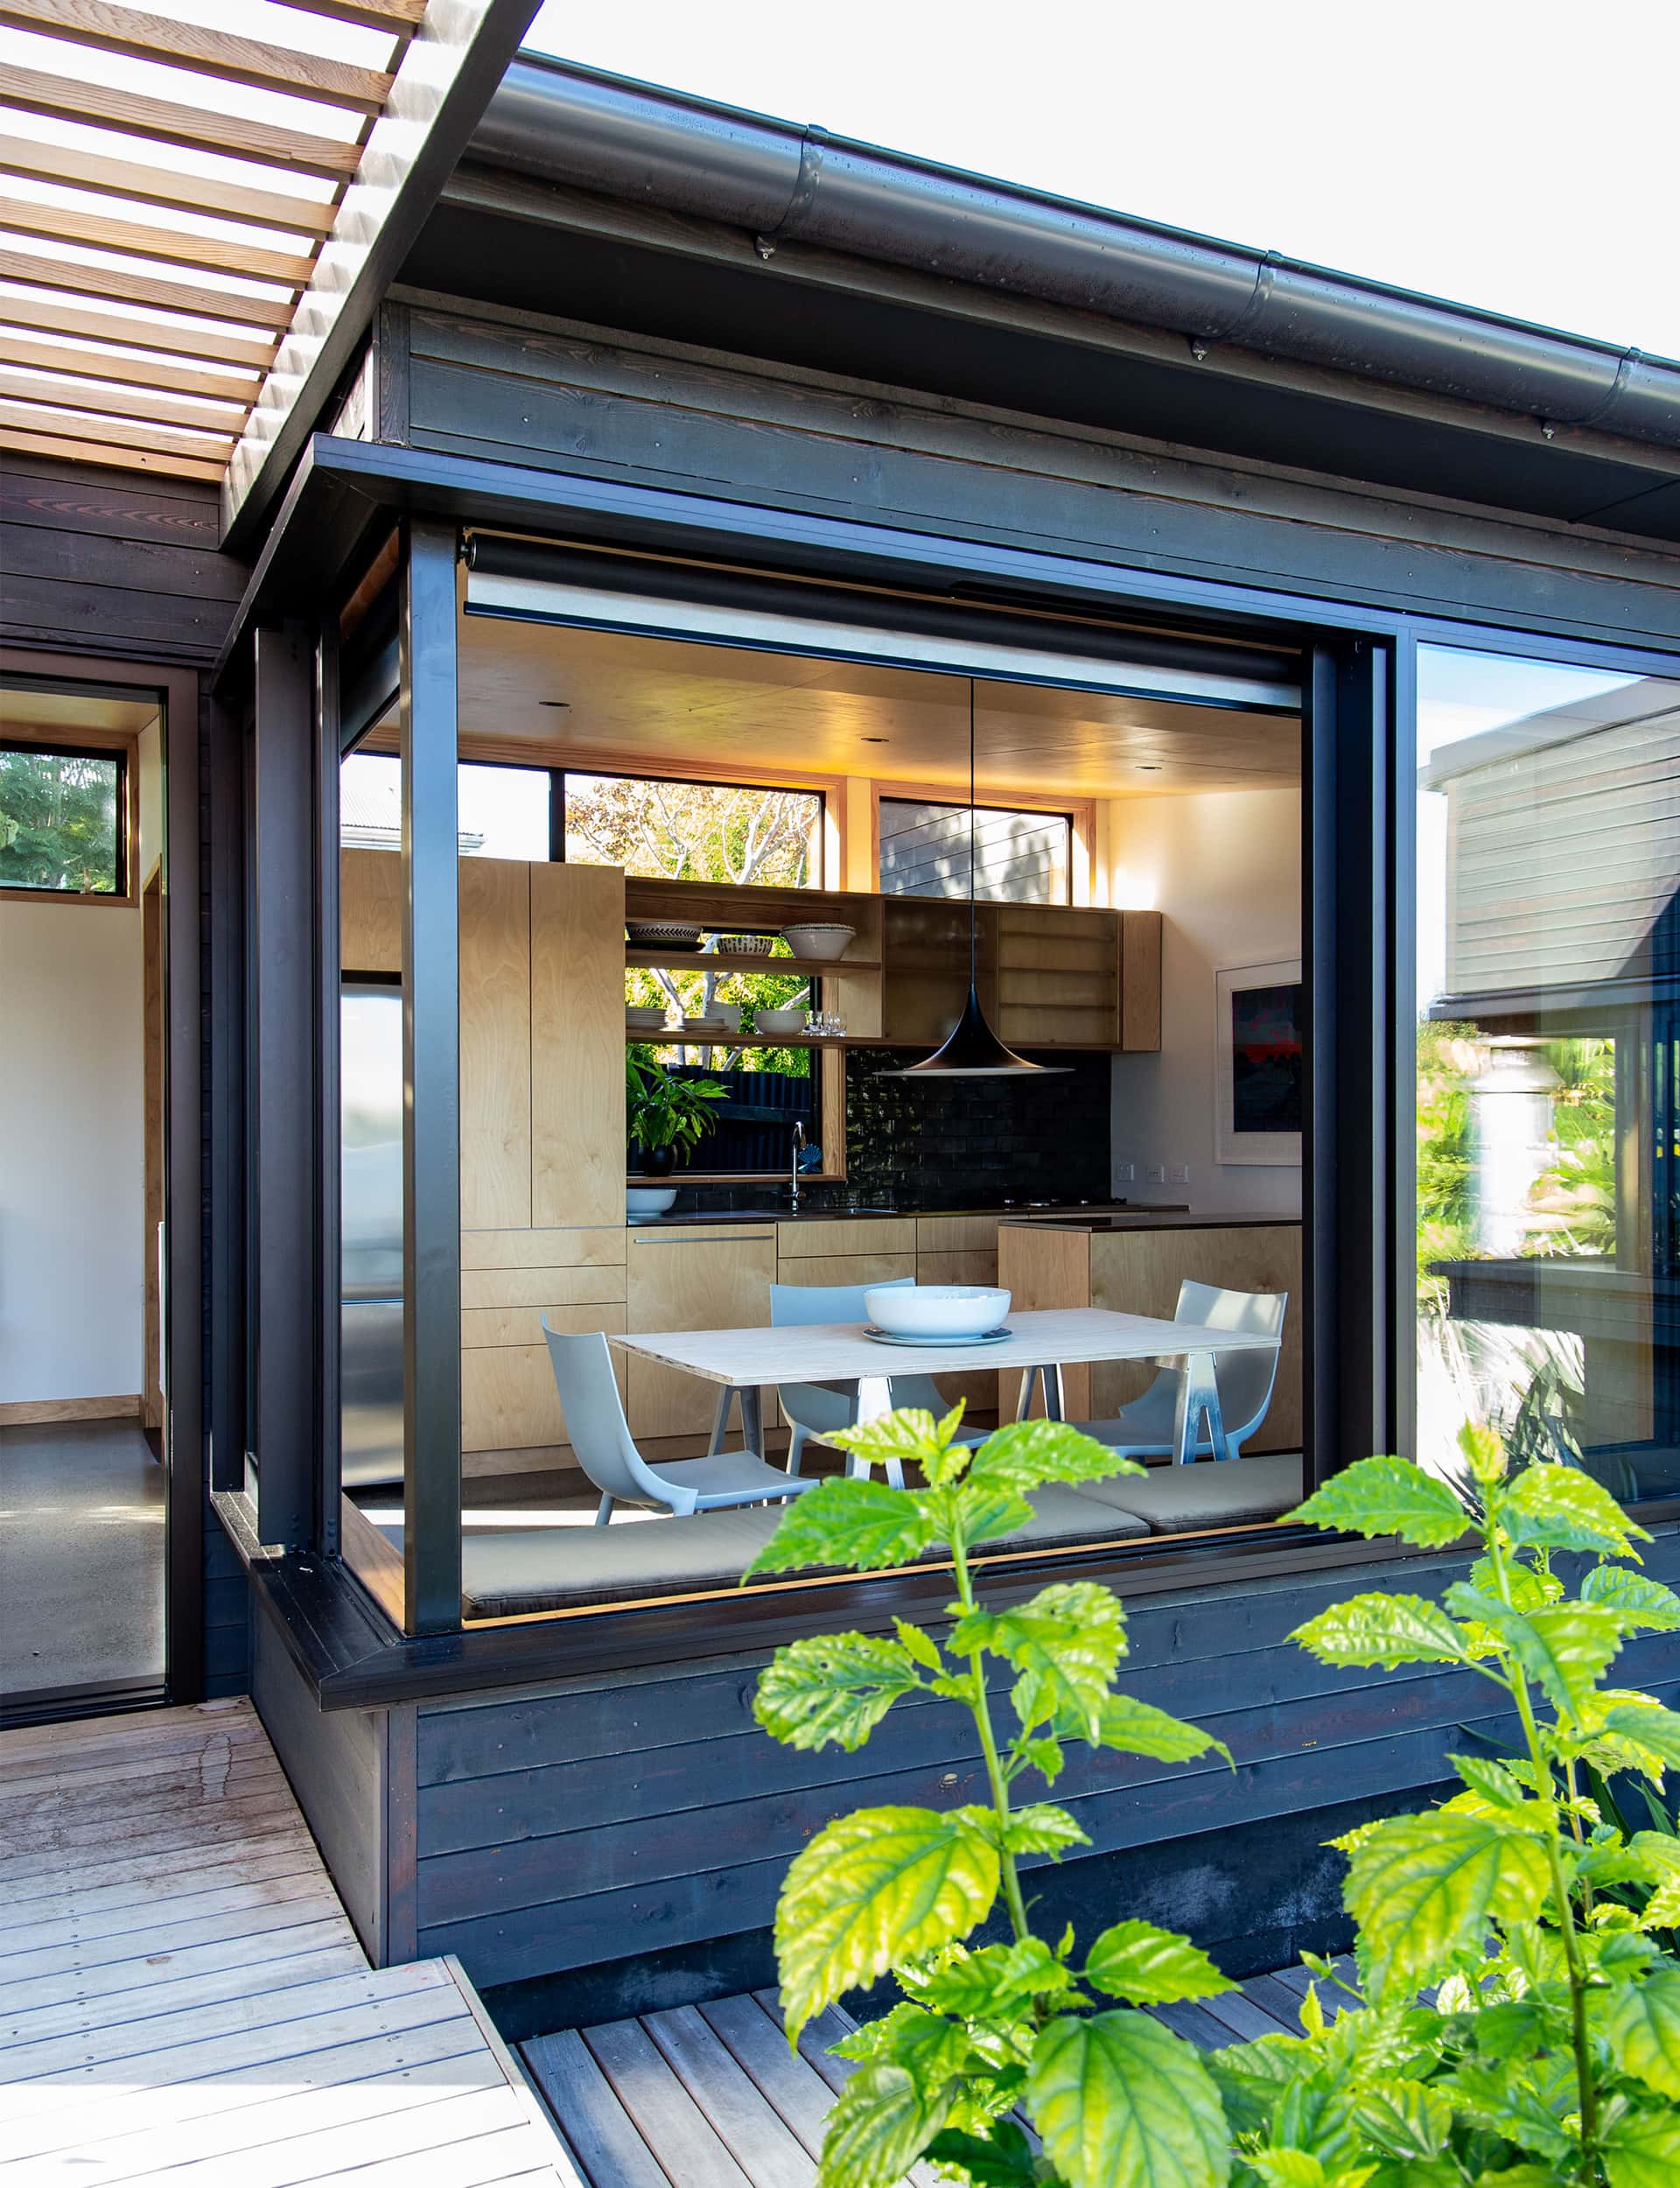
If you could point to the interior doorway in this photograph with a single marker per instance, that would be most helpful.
(84, 1306)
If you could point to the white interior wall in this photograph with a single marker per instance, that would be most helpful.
(1224, 869)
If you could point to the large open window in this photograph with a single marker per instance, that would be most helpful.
(1549, 1061)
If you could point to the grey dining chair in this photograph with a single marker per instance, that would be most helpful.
(605, 1450)
(1243, 1381)
(817, 1409)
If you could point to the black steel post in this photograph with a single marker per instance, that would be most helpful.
(432, 1168)
(328, 1257)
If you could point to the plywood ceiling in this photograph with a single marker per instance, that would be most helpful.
(167, 175)
(78, 717)
(642, 699)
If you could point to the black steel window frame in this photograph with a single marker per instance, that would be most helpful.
(1360, 1005)
(1017, 812)
(123, 860)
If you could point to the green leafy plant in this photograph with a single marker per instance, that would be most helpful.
(1026, 2027)
(662, 1111)
(1520, 2017)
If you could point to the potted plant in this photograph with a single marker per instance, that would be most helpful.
(665, 1117)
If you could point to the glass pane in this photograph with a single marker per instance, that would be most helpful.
(1018, 858)
(696, 831)
(504, 811)
(58, 821)
(1547, 1048)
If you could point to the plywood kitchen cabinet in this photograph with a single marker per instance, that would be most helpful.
(577, 1079)
(844, 1234)
(691, 1277)
(1050, 976)
(510, 1281)
(960, 1250)
(925, 944)
(496, 906)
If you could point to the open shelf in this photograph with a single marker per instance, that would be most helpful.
(742, 961)
(674, 1037)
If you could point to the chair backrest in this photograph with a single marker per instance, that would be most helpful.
(595, 1424)
(1245, 1379)
(792, 1306)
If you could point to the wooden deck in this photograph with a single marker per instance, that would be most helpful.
(183, 2003)
(710, 2096)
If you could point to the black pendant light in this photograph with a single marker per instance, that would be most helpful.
(971, 1050)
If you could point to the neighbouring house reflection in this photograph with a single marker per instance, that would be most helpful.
(1549, 1059)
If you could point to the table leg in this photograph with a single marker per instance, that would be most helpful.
(720, 1425)
(751, 1399)
(1198, 1395)
(1054, 1399)
(874, 1399)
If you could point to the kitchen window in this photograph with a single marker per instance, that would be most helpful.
(744, 835)
(63, 821)
(1019, 858)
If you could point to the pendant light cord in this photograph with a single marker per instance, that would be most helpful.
(973, 917)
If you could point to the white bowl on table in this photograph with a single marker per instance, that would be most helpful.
(935, 1310)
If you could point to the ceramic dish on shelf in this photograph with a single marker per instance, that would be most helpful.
(936, 1311)
(745, 945)
(641, 1202)
(663, 934)
(704, 1025)
(727, 1014)
(818, 939)
(780, 1021)
(647, 1018)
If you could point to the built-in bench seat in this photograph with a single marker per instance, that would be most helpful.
(1184, 1500)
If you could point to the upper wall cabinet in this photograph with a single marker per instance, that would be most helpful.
(541, 1030)
(1050, 976)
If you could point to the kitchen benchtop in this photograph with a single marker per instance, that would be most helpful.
(1153, 1219)
(1099, 1212)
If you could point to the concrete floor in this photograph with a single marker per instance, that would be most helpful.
(81, 1557)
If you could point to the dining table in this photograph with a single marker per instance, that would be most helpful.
(1039, 1341)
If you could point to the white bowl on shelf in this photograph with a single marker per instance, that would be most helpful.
(779, 1023)
(642, 1200)
(935, 1310)
(728, 1015)
(819, 939)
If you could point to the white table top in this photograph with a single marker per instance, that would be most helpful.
(839, 1352)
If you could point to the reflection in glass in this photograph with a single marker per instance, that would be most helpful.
(1548, 1039)
(504, 811)
(1018, 858)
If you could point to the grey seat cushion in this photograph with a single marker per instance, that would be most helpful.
(1232, 1492)
(508, 1571)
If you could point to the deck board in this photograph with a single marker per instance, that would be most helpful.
(184, 2002)
(629, 2095)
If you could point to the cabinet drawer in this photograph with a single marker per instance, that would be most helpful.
(977, 1266)
(847, 1268)
(846, 1234)
(540, 1287)
(956, 1234)
(508, 1400)
(483, 1326)
(541, 1249)
(691, 1280)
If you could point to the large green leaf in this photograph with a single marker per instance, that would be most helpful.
(880, 1885)
(1564, 1648)
(1404, 2119)
(1122, 2102)
(1026, 1453)
(1554, 1507)
(910, 1433)
(1659, 1857)
(1002, 2158)
(1425, 1888)
(979, 1511)
(1043, 1829)
(1147, 1966)
(832, 1687)
(863, 1525)
(880, 2124)
(1641, 2021)
(1065, 1643)
(1387, 1496)
(991, 1983)
(1385, 1630)
(1640, 1603)
(1652, 1725)
(1642, 2150)
(1131, 1727)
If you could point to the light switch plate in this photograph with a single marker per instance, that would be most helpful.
(1182, 1173)
(1124, 1173)
(1156, 1174)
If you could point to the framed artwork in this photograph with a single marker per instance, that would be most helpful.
(1260, 1063)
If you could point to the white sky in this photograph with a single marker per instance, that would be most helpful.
(1522, 158)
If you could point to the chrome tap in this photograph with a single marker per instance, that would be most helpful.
(799, 1149)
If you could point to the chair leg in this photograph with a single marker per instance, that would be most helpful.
(604, 1511)
(795, 1446)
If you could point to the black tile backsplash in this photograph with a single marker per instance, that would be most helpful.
(966, 1143)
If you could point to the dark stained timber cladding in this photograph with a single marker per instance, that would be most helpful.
(113, 563)
(564, 1829)
(582, 402)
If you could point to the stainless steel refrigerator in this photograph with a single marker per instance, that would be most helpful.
(370, 1068)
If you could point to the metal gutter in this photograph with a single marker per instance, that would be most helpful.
(617, 138)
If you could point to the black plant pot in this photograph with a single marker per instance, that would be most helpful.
(657, 1161)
